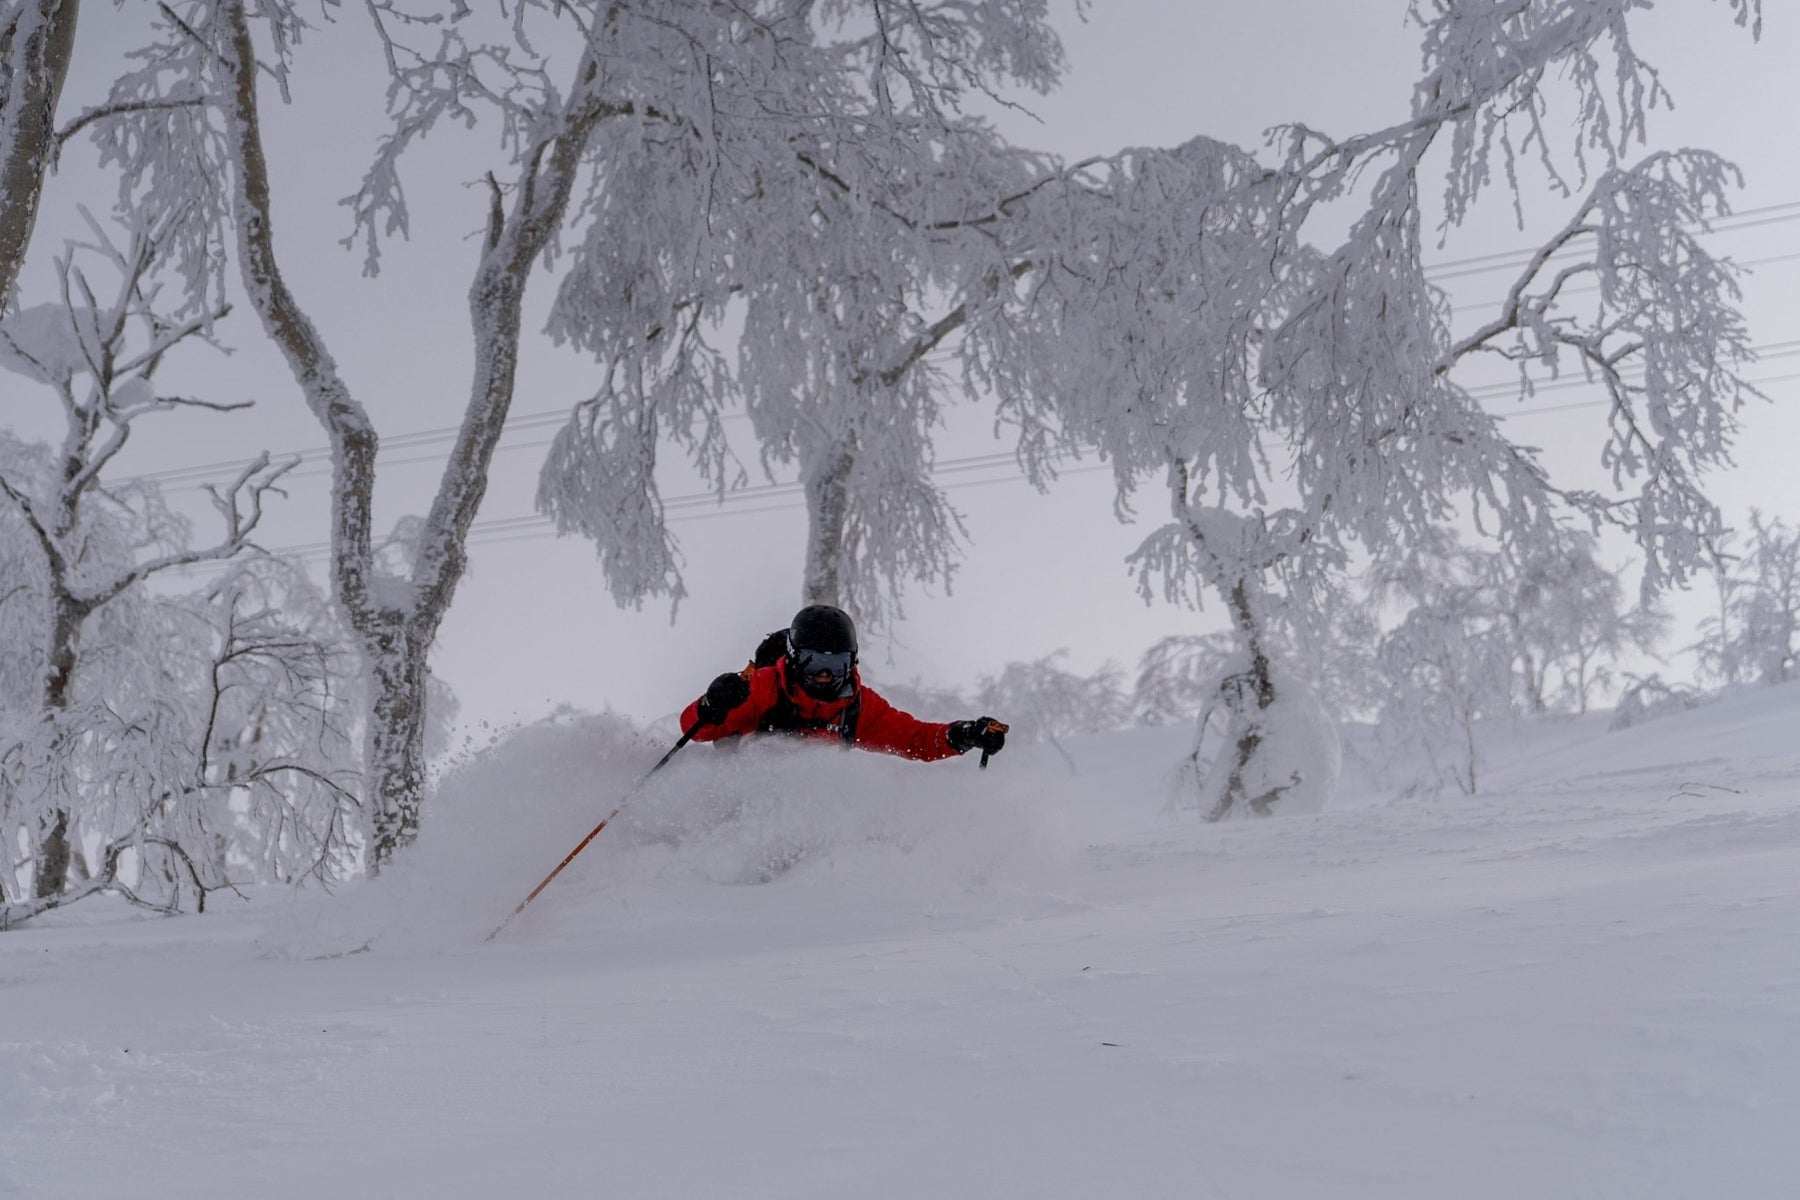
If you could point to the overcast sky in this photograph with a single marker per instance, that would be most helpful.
(533, 625)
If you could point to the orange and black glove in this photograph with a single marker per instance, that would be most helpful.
(982, 733)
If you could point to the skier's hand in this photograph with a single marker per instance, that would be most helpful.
(722, 695)
(983, 732)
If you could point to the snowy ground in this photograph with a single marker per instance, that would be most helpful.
(823, 975)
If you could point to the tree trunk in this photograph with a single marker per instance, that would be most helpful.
(1255, 695)
(35, 49)
(396, 634)
(395, 742)
(827, 484)
(50, 876)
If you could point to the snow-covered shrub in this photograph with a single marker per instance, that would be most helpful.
(1767, 601)
(1568, 619)
(1651, 697)
(1179, 675)
(927, 701)
(1043, 701)
(1448, 663)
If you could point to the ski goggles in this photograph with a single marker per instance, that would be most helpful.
(821, 666)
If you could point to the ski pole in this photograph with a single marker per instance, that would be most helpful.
(686, 737)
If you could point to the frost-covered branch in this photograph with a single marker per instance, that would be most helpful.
(855, 221)
(104, 112)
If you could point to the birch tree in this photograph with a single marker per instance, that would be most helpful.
(100, 356)
(1566, 614)
(1715, 650)
(204, 744)
(1447, 665)
(836, 358)
(1766, 602)
(1202, 327)
(847, 238)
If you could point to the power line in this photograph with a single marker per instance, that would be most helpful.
(1607, 401)
(318, 458)
(1493, 391)
(315, 454)
(1590, 288)
(694, 505)
(778, 497)
(1750, 218)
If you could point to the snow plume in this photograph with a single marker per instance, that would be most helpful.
(827, 827)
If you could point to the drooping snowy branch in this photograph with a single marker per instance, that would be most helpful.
(599, 481)
(825, 191)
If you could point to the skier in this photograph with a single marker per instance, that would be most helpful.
(804, 683)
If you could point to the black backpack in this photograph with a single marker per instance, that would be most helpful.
(770, 650)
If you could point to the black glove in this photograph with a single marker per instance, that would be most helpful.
(722, 695)
(985, 732)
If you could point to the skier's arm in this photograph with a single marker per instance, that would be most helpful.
(883, 727)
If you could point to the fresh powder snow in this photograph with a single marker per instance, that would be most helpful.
(794, 972)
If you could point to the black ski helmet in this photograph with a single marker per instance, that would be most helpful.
(822, 627)
(821, 652)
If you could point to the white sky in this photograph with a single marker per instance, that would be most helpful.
(533, 625)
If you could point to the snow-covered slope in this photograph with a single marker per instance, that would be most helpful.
(824, 975)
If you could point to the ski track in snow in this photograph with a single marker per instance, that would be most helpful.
(841, 976)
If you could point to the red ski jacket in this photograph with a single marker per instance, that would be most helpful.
(775, 706)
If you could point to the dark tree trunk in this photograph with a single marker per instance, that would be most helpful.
(396, 742)
(827, 486)
(50, 876)
(35, 48)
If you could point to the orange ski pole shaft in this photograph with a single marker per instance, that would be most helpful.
(593, 833)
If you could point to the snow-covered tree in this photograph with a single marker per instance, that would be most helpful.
(1715, 651)
(1566, 613)
(1179, 675)
(932, 701)
(1751, 631)
(1652, 696)
(1242, 559)
(1043, 700)
(1448, 664)
(1766, 602)
(1194, 315)
(843, 240)
(203, 745)
(92, 541)
(1482, 636)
